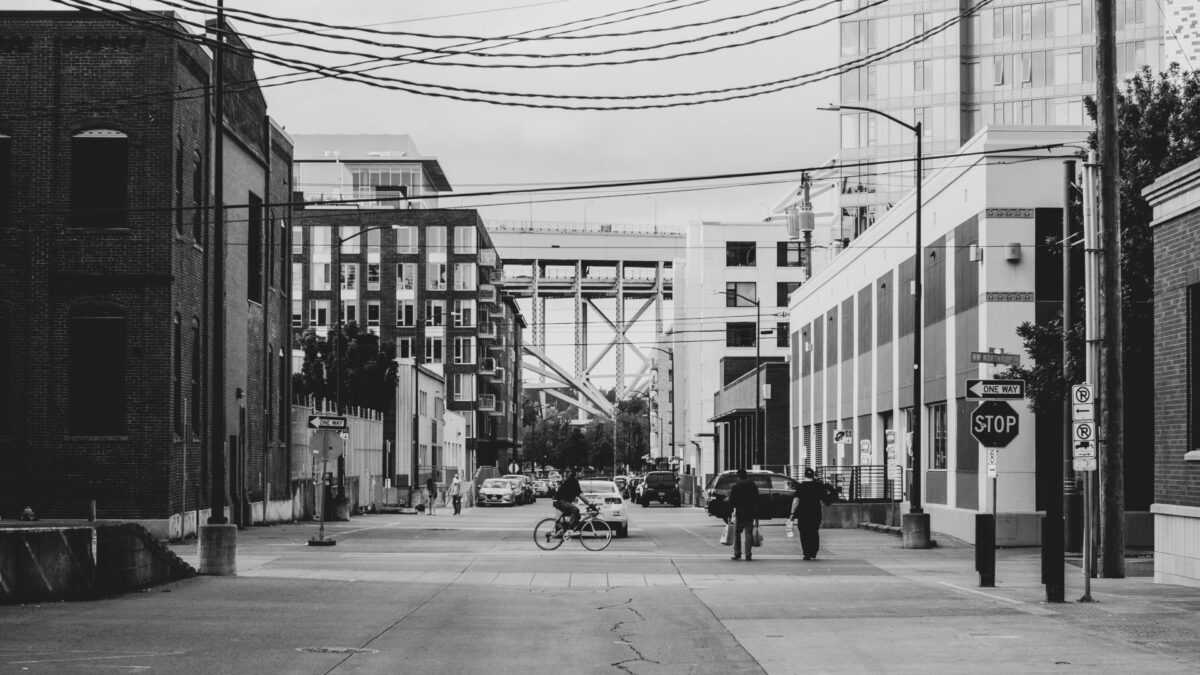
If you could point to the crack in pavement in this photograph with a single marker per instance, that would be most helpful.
(625, 638)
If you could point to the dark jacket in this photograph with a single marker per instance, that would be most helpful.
(431, 485)
(807, 500)
(743, 497)
(568, 490)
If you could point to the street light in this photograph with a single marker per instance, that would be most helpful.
(670, 355)
(916, 521)
(759, 449)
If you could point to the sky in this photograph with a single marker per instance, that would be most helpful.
(488, 147)
(482, 146)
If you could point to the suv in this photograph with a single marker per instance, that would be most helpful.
(660, 486)
(774, 494)
(523, 488)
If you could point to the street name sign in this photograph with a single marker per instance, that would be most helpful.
(995, 424)
(983, 390)
(327, 422)
(996, 358)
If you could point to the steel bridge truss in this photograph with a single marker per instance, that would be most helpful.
(584, 282)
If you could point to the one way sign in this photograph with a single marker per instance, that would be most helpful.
(987, 390)
(326, 422)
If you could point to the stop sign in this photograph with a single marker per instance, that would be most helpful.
(995, 424)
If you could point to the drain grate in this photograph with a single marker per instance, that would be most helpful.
(337, 650)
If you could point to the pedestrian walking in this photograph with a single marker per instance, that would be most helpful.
(456, 494)
(431, 487)
(806, 511)
(743, 497)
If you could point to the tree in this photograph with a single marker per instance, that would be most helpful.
(368, 373)
(1158, 122)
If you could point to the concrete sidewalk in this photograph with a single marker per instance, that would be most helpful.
(473, 594)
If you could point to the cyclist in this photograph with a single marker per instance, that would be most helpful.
(564, 498)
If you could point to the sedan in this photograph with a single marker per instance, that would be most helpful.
(496, 492)
(613, 509)
(541, 488)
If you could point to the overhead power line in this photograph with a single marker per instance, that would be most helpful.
(442, 90)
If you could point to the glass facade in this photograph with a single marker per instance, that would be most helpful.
(1012, 63)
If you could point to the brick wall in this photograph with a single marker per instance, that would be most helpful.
(62, 73)
(1176, 257)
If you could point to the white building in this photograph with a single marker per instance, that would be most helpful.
(713, 336)
(984, 217)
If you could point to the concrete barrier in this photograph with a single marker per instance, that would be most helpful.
(48, 562)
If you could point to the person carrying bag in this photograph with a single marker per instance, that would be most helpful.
(729, 533)
(744, 499)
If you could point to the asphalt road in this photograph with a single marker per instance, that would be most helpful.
(473, 594)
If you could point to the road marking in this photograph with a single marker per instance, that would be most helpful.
(1019, 604)
(101, 658)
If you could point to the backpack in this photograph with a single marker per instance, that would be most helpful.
(832, 494)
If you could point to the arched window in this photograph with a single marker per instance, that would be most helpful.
(197, 198)
(96, 372)
(194, 420)
(100, 179)
(177, 378)
(6, 190)
(177, 202)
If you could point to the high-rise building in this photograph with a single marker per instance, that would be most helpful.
(422, 278)
(1013, 62)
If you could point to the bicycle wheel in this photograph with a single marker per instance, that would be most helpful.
(595, 535)
(545, 536)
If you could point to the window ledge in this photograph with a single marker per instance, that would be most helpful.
(1193, 456)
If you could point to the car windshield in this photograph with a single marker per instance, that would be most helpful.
(496, 483)
(597, 486)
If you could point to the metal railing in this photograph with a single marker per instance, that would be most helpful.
(869, 483)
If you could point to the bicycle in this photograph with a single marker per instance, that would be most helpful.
(593, 533)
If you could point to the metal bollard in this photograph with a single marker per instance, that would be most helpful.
(985, 548)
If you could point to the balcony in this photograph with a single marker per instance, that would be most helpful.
(487, 330)
(487, 402)
(487, 366)
(489, 294)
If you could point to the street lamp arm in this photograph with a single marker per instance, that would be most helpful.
(739, 295)
(342, 240)
(911, 127)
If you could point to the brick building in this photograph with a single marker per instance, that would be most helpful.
(423, 278)
(106, 271)
(1176, 444)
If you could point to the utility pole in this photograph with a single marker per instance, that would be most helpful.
(1112, 379)
(218, 538)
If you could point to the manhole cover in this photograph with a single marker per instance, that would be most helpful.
(337, 650)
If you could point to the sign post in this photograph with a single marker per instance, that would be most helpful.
(994, 424)
(1083, 459)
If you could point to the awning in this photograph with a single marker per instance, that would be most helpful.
(732, 413)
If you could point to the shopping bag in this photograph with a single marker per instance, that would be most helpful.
(791, 527)
(756, 538)
(728, 535)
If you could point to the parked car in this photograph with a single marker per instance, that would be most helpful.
(524, 487)
(541, 488)
(613, 508)
(633, 490)
(496, 492)
(662, 487)
(774, 494)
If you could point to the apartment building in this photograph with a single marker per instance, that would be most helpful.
(424, 279)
